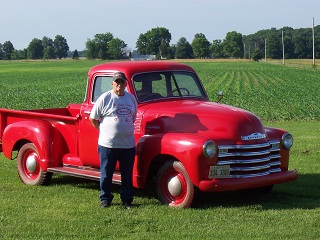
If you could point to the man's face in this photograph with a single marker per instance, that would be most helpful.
(119, 86)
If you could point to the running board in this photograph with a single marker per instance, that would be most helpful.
(84, 172)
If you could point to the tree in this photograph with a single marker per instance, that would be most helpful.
(256, 55)
(288, 42)
(48, 53)
(102, 41)
(164, 50)
(19, 54)
(7, 49)
(200, 46)
(1, 52)
(48, 48)
(149, 43)
(116, 48)
(303, 43)
(233, 45)
(183, 49)
(141, 44)
(98, 46)
(61, 47)
(75, 54)
(217, 48)
(274, 49)
(47, 42)
(90, 51)
(35, 49)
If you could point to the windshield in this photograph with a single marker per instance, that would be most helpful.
(160, 85)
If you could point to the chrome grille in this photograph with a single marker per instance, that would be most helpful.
(250, 160)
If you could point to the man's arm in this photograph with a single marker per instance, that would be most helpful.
(95, 123)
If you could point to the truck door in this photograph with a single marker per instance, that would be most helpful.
(88, 135)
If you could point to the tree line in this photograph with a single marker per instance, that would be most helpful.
(298, 43)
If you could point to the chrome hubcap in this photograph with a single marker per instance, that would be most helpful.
(174, 186)
(31, 164)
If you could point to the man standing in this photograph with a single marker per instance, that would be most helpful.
(113, 115)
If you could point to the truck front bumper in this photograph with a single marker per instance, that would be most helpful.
(232, 184)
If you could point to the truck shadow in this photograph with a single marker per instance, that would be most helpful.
(303, 193)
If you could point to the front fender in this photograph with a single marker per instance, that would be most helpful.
(186, 148)
(276, 134)
(41, 133)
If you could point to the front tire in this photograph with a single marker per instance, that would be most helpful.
(28, 166)
(174, 187)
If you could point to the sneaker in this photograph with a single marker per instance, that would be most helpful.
(127, 204)
(105, 204)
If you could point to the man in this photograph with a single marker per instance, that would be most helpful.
(113, 115)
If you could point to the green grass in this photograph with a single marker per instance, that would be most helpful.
(69, 207)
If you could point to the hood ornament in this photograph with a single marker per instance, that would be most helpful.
(253, 136)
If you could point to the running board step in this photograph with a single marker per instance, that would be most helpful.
(84, 172)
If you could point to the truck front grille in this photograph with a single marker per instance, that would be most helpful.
(250, 160)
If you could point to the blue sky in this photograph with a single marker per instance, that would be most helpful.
(80, 20)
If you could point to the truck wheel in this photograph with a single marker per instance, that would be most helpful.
(28, 165)
(174, 187)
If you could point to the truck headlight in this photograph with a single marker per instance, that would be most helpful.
(287, 140)
(209, 149)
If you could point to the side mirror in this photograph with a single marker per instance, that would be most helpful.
(220, 96)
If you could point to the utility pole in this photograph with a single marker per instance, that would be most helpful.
(265, 50)
(282, 49)
(313, 48)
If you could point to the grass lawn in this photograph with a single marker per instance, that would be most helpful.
(69, 207)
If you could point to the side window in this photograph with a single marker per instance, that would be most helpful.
(101, 84)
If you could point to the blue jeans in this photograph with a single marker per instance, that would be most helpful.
(108, 161)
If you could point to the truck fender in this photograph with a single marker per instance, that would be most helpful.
(41, 133)
(188, 152)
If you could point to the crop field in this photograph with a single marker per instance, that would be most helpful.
(284, 96)
(271, 91)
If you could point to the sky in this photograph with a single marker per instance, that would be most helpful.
(79, 20)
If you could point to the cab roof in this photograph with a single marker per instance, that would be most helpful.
(132, 67)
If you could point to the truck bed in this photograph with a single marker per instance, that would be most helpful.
(67, 115)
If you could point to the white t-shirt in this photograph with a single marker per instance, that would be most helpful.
(117, 115)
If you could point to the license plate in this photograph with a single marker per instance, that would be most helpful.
(219, 171)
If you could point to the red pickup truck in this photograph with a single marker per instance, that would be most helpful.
(183, 141)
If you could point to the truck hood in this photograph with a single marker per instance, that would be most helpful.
(227, 124)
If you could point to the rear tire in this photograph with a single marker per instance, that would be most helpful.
(174, 187)
(28, 166)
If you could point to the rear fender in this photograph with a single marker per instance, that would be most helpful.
(42, 134)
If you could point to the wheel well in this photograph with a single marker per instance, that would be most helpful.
(156, 164)
(18, 145)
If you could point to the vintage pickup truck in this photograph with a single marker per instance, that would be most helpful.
(184, 142)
